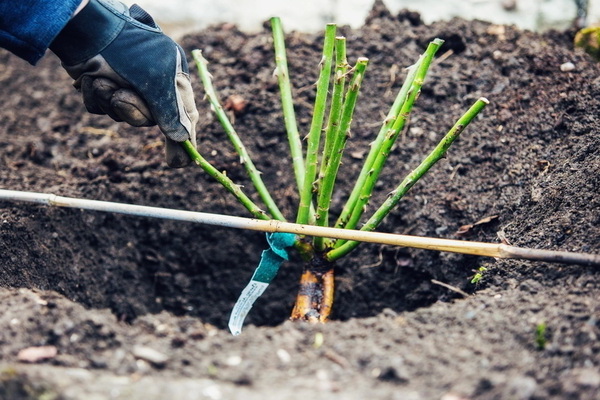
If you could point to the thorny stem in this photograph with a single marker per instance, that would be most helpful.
(395, 196)
(253, 173)
(335, 113)
(376, 146)
(225, 181)
(342, 134)
(285, 88)
(314, 135)
(337, 100)
(391, 135)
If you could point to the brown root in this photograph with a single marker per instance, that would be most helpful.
(315, 296)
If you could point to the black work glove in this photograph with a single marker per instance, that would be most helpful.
(126, 67)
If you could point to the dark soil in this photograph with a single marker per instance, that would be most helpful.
(105, 288)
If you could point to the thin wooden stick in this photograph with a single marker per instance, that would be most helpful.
(454, 246)
(450, 287)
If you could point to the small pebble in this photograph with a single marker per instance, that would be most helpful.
(284, 356)
(521, 387)
(233, 361)
(567, 67)
(154, 357)
(509, 5)
(37, 354)
(453, 396)
(587, 377)
(212, 392)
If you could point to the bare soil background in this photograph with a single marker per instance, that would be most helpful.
(137, 308)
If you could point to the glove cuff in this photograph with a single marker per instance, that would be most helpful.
(88, 32)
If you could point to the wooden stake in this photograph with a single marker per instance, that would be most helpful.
(454, 246)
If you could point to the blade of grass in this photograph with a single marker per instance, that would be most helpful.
(287, 104)
(337, 150)
(225, 181)
(391, 136)
(314, 135)
(253, 173)
(408, 182)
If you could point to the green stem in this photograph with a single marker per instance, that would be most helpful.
(253, 173)
(335, 114)
(337, 100)
(314, 135)
(285, 88)
(225, 181)
(337, 150)
(391, 136)
(376, 146)
(408, 182)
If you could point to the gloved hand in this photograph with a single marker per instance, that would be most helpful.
(126, 67)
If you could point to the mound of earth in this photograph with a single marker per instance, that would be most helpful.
(136, 308)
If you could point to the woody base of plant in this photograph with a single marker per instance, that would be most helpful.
(315, 294)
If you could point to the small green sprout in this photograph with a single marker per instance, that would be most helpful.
(478, 275)
(540, 336)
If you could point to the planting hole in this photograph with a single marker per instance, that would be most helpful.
(135, 266)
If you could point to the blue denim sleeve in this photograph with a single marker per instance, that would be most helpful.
(27, 27)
